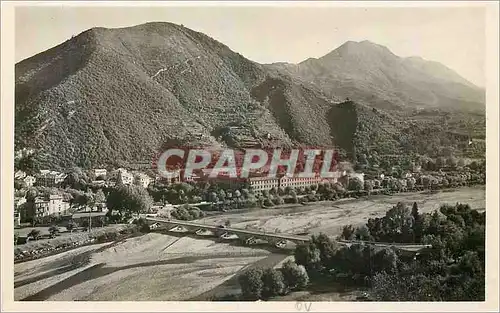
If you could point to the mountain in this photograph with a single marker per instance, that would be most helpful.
(115, 96)
(371, 74)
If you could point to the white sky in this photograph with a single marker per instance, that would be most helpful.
(453, 36)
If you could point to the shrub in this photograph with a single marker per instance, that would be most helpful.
(273, 283)
(251, 283)
(295, 276)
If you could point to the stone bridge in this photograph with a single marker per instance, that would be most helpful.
(276, 239)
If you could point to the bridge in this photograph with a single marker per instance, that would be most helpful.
(272, 238)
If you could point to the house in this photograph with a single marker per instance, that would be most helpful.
(142, 180)
(29, 181)
(51, 205)
(99, 183)
(124, 177)
(17, 218)
(99, 172)
(50, 178)
(18, 201)
(19, 175)
(154, 226)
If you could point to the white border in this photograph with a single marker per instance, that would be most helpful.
(7, 124)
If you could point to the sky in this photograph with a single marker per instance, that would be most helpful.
(453, 36)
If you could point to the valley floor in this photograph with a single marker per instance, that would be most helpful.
(164, 267)
(329, 217)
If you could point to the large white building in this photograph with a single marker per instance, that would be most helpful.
(259, 184)
(51, 205)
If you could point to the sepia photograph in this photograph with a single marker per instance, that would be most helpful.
(296, 154)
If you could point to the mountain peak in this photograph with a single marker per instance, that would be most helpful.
(363, 48)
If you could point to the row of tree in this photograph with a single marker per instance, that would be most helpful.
(452, 270)
(258, 283)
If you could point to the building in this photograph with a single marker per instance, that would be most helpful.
(259, 184)
(17, 218)
(50, 178)
(51, 205)
(99, 183)
(124, 177)
(19, 175)
(29, 181)
(299, 182)
(99, 172)
(142, 180)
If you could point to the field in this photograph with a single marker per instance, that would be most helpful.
(150, 267)
(164, 267)
(329, 217)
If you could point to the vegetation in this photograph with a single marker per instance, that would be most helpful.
(452, 270)
(129, 198)
(187, 213)
(255, 95)
(295, 276)
(34, 234)
(54, 231)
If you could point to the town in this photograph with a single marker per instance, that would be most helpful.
(84, 198)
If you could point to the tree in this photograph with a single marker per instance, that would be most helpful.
(27, 164)
(53, 230)
(20, 184)
(347, 232)
(461, 162)
(295, 276)
(426, 181)
(440, 162)
(278, 200)
(363, 159)
(89, 198)
(143, 225)
(222, 195)
(327, 249)
(130, 199)
(385, 260)
(70, 227)
(273, 283)
(452, 162)
(76, 179)
(368, 186)
(34, 233)
(410, 183)
(308, 255)
(387, 287)
(251, 283)
(99, 196)
(362, 233)
(414, 211)
(355, 184)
